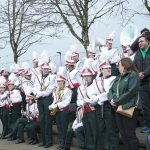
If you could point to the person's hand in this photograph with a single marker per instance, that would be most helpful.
(113, 103)
(141, 75)
(143, 34)
(22, 111)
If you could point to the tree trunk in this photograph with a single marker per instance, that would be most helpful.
(15, 58)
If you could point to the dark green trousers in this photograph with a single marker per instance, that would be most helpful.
(107, 128)
(23, 101)
(13, 114)
(62, 125)
(114, 71)
(91, 130)
(31, 129)
(45, 119)
(79, 133)
(19, 126)
(4, 120)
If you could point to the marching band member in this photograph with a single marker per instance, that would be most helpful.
(113, 52)
(13, 105)
(108, 131)
(44, 86)
(85, 93)
(60, 106)
(77, 130)
(35, 70)
(31, 116)
(74, 80)
(3, 112)
(130, 52)
(75, 57)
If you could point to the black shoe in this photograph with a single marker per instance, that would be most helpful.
(36, 141)
(67, 149)
(13, 138)
(10, 135)
(59, 147)
(2, 138)
(20, 141)
(30, 142)
(47, 145)
(41, 145)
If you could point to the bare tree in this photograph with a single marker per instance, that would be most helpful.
(21, 25)
(82, 14)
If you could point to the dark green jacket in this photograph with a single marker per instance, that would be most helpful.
(128, 90)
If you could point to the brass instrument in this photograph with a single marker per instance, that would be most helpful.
(55, 110)
(42, 89)
(28, 112)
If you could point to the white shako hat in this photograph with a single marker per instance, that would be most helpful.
(61, 74)
(104, 64)
(2, 81)
(68, 55)
(87, 70)
(70, 62)
(90, 50)
(111, 37)
(52, 67)
(34, 56)
(73, 49)
(44, 56)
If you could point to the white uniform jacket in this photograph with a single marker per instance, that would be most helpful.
(84, 96)
(74, 78)
(79, 66)
(42, 82)
(3, 99)
(26, 83)
(101, 88)
(14, 96)
(35, 72)
(32, 111)
(66, 98)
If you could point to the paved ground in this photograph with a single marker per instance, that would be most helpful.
(10, 145)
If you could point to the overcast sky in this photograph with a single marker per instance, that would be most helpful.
(62, 45)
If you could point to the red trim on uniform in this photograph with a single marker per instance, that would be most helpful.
(45, 64)
(87, 109)
(91, 53)
(76, 53)
(7, 105)
(70, 63)
(103, 64)
(66, 108)
(76, 85)
(87, 71)
(15, 104)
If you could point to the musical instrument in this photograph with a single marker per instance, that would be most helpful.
(55, 110)
(27, 111)
(128, 34)
(97, 42)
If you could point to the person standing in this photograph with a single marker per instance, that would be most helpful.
(84, 100)
(44, 86)
(60, 106)
(13, 104)
(107, 127)
(3, 111)
(124, 91)
(142, 63)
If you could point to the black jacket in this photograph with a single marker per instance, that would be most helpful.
(143, 65)
(135, 45)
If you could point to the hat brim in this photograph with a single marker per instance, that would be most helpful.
(106, 66)
(87, 74)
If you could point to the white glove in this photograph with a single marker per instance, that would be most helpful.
(54, 106)
(100, 103)
(87, 100)
(39, 94)
(94, 98)
(50, 107)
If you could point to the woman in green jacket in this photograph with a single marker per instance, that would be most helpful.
(124, 91)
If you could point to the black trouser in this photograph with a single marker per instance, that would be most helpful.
(145, 100)
(79, 133)
(107, 127)
(127, 127)
(45, 119)
(62, 126)
(4, 119)
(72, 114)
(23, 101)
